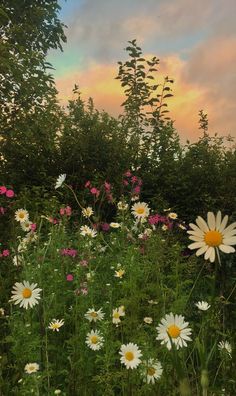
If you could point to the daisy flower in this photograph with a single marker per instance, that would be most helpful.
(130, 355)
(26, 226)
(94, 316)
(148, 320)
(122, 206)
(225, 346)
(173, 330)
(172, 215)
(87, 212)
(202, 305)
(119, 273)
(114, 225)
(116, 314)
(94, 340)
(22, 215)
(152, 371)
(212, 235)
(87, 231)
(25, 294)
(60, 181)
(140, 210)
(56, 324)
(31, 368)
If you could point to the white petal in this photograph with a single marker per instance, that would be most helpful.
(196, 238)
(229, 228)
(211, 220)
(202, 224)
(223, 224)
(196, 245)
(194, 227)
(196, 233)
(208, 253)
(229, 241)
(218, 219)
(212, 256)
(226, 249)
(202, 250)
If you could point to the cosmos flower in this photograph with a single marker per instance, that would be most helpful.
(212, 235)
(173, 330)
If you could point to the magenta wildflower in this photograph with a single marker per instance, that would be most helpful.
(3, 190)
(105, 227)
(69, 277)
(10, 193)
(69, 252)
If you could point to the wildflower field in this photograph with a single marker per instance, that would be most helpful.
(117, 238)
(137, 306)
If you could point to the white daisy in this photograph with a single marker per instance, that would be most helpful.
(225, 346)
(25, 294)
(130, 355)
(116, 314)
(211, 235)
(119, 273)
(173, 330)
(60, 180)
(94, 316)
(114, 225)
(202, 305)
(31, 368)
(94, 340)
(140, 210)
(148, 320)
(152, 371)
(87, 212)
(87, 231)
(122, 206)
(22, 215)
(55, 324)
(26, 225)
(172, 215)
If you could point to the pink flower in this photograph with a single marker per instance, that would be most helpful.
(125, 182)
(87, 184)
(69, 277)
(62, 211)
(33, 227)
(136, 190)
(68, 210)
(95, 191)
(84, 263)
(2, 210)
(134, 179)
(5, 253)
(10, 193)
(128, 173)
(3, 190)
(154, 219)
(107, 186)
(105, 227)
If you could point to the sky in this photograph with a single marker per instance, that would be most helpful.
(195, 41)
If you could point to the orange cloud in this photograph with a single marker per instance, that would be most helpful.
(190, 93)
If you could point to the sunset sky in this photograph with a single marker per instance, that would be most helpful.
(194, 40)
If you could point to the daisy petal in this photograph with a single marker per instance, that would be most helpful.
(211, 220)
(226, 249)
(202, 224)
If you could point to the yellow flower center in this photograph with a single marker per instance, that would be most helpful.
(129, 356)
(55, 325)
(94, 314)
(213, 238)
(94, 339)
(173, 331)
(140, 210)
(151, 371)
(27, 293)
(21, 215)
(116, 315)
